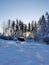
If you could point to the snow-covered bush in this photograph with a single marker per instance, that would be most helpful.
(46, 40)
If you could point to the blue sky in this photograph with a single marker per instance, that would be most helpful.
(26, 10)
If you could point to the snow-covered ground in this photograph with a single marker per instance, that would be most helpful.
(27, 53)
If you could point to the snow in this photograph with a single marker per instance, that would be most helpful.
(26, 53)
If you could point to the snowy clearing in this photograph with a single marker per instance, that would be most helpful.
(27, 53)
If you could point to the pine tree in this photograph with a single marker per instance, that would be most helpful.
(8, 23)
(42, 28)
(32, 27)
(13, 25)
(29, 27)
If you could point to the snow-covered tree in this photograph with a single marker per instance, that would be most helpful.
(43, 22)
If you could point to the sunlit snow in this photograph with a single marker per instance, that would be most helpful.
(27, 53)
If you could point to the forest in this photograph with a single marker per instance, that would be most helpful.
(37, 30)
